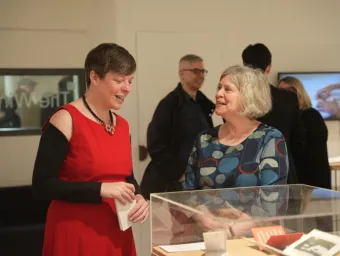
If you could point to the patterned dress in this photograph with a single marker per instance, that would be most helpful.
(261, 159)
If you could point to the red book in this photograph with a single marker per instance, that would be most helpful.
(274, 236)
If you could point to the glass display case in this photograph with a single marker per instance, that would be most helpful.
(252, 220)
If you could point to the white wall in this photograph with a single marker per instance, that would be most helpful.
(301, 34)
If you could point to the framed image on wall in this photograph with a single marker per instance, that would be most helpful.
(28, 97)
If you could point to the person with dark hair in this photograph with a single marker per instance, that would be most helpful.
(177, 120)
(84, 164)
(285, 114)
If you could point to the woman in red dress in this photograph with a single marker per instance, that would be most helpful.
(84, 164)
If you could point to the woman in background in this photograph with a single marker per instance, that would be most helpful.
(313, 167)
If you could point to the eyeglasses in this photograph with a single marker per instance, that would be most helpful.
(197, 71)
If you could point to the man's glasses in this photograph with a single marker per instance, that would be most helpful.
(197, 71)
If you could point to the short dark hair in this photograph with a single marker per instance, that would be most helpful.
(109, 57)
(257, 56)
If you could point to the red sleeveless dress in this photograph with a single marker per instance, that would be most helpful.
(85, 229)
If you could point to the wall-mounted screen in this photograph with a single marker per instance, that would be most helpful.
(323, 89)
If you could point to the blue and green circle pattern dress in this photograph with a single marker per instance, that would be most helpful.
(261, 159)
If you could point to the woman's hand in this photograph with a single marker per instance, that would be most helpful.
(122, 191)
(330, 107)
(325, 92)
(240, 224)
(209, 223)
(140, 212)
(233, 221)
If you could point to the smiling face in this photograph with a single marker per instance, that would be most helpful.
(112, 88)
(192, 74)
(228, 97)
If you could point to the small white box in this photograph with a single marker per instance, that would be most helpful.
(215, 243)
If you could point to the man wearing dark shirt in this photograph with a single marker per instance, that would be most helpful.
(285, 113)
(177, 120)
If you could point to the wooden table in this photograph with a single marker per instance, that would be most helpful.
(335, 167)
(234, 247)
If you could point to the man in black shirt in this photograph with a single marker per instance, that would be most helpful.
(285, 113)
(177, 120)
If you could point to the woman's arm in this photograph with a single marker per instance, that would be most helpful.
(52, 151)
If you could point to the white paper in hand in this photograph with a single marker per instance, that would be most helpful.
(122, 213)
